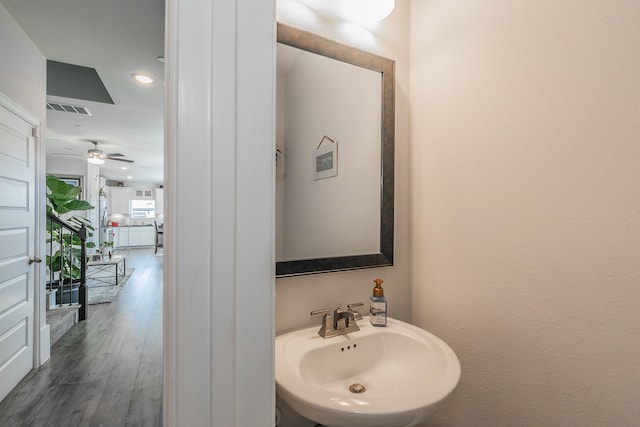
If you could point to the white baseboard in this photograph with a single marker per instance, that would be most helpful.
(45, 344)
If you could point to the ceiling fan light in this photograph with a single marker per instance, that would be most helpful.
(95, 160)
(95, 157)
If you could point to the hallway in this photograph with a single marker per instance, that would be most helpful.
(106, 371)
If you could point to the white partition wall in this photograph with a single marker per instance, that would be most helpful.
(525, 206)
(219, 167)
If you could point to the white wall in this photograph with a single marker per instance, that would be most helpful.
(279, 199)
(23, 79)
(219, 265)
(92, 188)
(297, 296)
(526, 206)
(67, 166)
(23, 67)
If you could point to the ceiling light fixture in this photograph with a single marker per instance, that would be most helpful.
(366, 11)
(95, 157)
(124, 168)
(144, 79)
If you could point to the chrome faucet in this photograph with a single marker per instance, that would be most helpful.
(342, 318)
(342, 322)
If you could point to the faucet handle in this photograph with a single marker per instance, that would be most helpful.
(356, 313)
(323, 311)
(326, 321)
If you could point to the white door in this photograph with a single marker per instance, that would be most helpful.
(17, 243)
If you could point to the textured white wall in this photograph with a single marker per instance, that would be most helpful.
(297, 296)
(525, 178)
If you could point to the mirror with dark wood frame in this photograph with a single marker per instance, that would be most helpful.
(367, 168)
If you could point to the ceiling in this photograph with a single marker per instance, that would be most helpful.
(117, 38)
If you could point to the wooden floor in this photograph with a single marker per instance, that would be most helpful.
(106, 371)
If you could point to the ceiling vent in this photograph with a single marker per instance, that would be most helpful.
(66, 108)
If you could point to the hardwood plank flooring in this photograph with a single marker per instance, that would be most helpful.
(106, 371)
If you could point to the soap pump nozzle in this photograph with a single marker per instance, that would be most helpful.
(378, 291)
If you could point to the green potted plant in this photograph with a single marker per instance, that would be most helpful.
(107, 246)
(102, 193)
(62, 198)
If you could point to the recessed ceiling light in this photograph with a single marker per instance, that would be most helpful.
(124, 168)
(129, 177)
(144, 79)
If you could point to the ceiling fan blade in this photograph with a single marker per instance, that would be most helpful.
(68, 154)
(115, 155)
(120, 160)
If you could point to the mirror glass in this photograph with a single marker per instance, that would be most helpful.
(334, 159)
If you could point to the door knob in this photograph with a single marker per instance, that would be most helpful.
(34, 259)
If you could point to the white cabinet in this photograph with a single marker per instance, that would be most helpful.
(134, 236)
(141, 236)
(121, 237)
(119, 200)
(110, 235)
(114, 238)
(159, 201)
(143, 193)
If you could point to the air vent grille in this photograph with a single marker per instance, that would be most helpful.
(54, 106)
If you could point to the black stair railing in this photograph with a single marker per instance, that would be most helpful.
(67, 263)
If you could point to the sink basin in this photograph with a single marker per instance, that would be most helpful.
(376, 377)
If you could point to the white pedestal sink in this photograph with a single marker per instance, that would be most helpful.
(377, 377)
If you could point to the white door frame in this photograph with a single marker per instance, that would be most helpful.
(219, 264)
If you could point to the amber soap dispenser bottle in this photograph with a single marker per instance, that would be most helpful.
(378, 305)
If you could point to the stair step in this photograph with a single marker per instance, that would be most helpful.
(61, 319)
(51, 299)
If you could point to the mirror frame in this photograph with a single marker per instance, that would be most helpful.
(315, 44)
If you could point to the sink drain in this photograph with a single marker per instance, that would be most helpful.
(357, 388)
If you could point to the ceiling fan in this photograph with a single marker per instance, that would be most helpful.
(97, 157)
